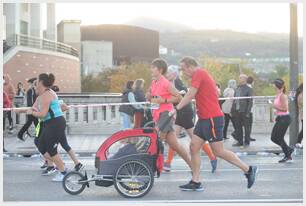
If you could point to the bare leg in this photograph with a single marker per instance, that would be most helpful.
(57, 161)
(73, 157)
(195, 147)
(231, 157)
(173, 143)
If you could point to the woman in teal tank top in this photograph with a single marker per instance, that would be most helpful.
(48, 109)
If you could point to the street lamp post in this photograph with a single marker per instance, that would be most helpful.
(294, 126)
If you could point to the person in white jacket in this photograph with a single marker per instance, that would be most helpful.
(227, 105)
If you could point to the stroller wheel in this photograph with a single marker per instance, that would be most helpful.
(134, 179)
(71, 183)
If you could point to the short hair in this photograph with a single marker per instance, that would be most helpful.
(174, 69)
(160, 64)
(250, 80)
(189, 61)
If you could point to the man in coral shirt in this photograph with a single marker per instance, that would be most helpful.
(209, 127)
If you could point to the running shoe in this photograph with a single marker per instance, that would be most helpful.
(299, 146)
(288, 157)
(44, 166)
(192, 186)
(182, 135)
(213, 165)
(251, 175)
(19, 136)
(59, 177)
(285, 159)
(48, 171)
(79, 167)
(237, 144)
(167, 167)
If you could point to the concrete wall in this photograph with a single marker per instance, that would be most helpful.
(95, 56)
(68, 32)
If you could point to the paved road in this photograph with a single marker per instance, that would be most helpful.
(276, 182)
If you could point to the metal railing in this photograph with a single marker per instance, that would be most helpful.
(34, 42)
(106, 119)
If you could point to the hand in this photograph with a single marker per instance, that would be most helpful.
(157, 100)
(182, 92)
(270, 102)
(29, 112)
(172, 112)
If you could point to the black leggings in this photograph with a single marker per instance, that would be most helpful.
(9, 116)
(227, 119)
(300, 137)
(62, 140)
(53, 130)
(279, 131)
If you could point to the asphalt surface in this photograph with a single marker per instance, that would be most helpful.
(276, 182)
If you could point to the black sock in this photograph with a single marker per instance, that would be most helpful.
(250, 169)
(64, 172)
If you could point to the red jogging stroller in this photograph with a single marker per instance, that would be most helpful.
(128, 159)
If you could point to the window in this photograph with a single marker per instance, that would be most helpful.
(128, 146)
(24, 27)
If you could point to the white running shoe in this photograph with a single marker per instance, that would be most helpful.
(48, 171)
(299, 145)
(59, 177)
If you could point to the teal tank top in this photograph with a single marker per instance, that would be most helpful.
(54, 109)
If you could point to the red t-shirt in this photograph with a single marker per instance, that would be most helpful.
(207, 96)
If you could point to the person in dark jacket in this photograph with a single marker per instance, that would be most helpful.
(139, 97)
(127, 111)
(241, 111)
(31, 97)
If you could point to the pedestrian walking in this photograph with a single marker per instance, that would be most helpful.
(30, 99)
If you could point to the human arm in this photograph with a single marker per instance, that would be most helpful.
(175, 96)
(45, 104)
(189, 96)
(131, 98)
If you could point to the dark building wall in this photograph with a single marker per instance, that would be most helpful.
(129, 42)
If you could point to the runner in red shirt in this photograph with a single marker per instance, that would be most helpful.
(209, 127)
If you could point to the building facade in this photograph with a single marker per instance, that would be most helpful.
(96, 56)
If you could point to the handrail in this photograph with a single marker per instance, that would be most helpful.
(35, 42)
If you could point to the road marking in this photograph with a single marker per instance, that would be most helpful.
(235, 170)
(134, 202)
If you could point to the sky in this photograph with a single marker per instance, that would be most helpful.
(245, 17)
